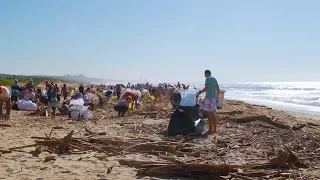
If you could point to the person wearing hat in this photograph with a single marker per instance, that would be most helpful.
(15, 91)
(30, 85)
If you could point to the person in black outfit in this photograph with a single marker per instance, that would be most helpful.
(81, 89)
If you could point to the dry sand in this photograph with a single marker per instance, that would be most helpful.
(221, 147)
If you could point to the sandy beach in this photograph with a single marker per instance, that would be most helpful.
(235, 143)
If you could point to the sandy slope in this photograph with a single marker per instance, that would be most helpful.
(24, 164)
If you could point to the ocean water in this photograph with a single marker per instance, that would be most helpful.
(304, 96)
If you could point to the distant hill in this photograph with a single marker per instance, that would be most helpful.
(68, 78)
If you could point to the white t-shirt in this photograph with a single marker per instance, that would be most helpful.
(145, 92)
(138, 93)
(5, 93)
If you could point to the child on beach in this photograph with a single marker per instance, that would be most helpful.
(54, 103)
(100, 102)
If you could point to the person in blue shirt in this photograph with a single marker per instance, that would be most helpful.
(15, 91)
(30, 85)
(54, 103)
(210, 102)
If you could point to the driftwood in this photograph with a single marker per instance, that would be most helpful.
(5, 125)
(140, 164)
(230, 113)
(263, 118)
(153, 146)
(188, 170)
(298, 127)
(285, 158)
(158, 168)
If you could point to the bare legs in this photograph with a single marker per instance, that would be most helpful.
(7, 102)
(212, 122)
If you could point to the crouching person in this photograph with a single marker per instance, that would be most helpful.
(122, 106)
(5, 99)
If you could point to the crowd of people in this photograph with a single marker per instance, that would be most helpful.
(130, 94)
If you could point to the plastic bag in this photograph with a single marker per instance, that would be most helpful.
(26, 105)
(188, 97)
(199, 124)
(77, 102)
(86, 113)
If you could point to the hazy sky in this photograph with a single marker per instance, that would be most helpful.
(168, 40)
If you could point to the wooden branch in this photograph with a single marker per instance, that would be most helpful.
(188, 170)
(88, 131)
(263, 118)
(5, 125)
(139, 164)
(230, 113)
(22, 147)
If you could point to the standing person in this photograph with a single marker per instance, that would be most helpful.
(15, 91)
(30, 85)
(57, 90)
(64, 91)
(50, 90)
(118, 90)
(54, 103)
(81, 89)
(210, 102)
(109, 93)
(178, 86)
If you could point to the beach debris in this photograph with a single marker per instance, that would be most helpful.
(5, 125)
(262, 118)
(49, 158)
(239, 151)
(286, 158)
(235, 112)
(109, 169)
(169, 169)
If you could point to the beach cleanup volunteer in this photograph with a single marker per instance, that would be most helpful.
(5, 99)
(210, 102)
(15, 91)
(122, 106)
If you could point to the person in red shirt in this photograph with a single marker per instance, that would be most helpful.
(130, 94)
(64, 91)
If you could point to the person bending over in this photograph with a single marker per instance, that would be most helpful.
(130, 95)
(5, 99)
(122, 106)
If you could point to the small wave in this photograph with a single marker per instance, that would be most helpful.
(302, 93)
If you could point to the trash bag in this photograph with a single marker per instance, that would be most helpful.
(175, 99)
(199, 126)
(183, 120)
(77, 102)
(26, 105)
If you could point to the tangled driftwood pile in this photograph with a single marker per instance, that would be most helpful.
(177, 156)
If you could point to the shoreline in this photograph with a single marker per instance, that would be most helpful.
(311, 112)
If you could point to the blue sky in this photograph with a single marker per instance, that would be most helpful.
(162, 40)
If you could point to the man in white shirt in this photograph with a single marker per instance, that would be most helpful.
(5, 95)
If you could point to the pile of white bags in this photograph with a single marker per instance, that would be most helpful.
(26, 105)
(78, 110)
